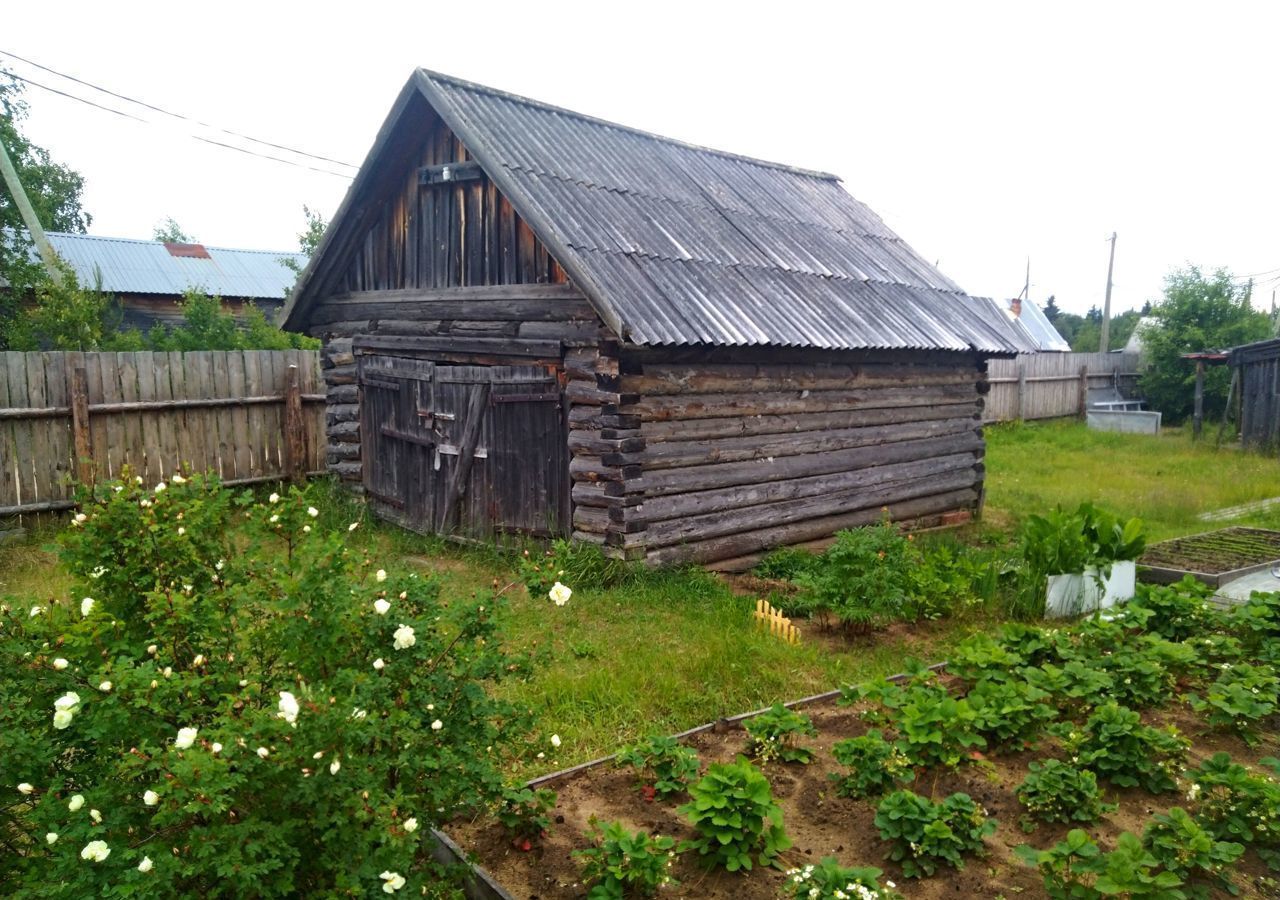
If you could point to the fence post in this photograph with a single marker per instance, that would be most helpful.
(1022, 388)
(1197, 420)
(295, 451)
(80, 424)
(1084, 391)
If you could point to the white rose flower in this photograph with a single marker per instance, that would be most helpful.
(95, 851)
(96, 816)
(137, 479)
(86, 606)
(178, 479)
(145, 865)
(274, 519)
(378, 664)
(306, 529)
(167, 672)
(358, 713)
(62, 718)
(381, 606)
(181, 531)
(404, 637)
(144, 502)
(380, 575)
(411, 825)
(334, 767)
(26, 787)
(98, 572)
(555, 740)
(391, 882)
(80, 518)
(560, 594)
(160, 487)
(151, 798)
(353, 526)
(105, 687)
(288, 707)
(60, 663)
(152, 649)
(75, 803)
(36, 610)
(51, 838)
(186, 737)
(263, 752)
(216, 747)
(312, 511)
(199, 660)
(274, 498)
(70, 700)
(437, 725)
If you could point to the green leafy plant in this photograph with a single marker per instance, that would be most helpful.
(738, 823)
(242, 704)
(775, 735)
(1116, 745)
(1054, 791)
(666, 766)
(786, 564)
(525, 813)
(1234, 804)
(620, 863)
(1075, 869)
(935, 729)
(863, 579)
(579, 564)
(1240, 699)
(1065, 542)
(1183, 847)
(1010, 714)
(924, 835)
(877, 766)
(1074, 686)
(828, 880)
(1178, 611)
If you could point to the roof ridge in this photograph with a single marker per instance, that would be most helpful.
(596, 120)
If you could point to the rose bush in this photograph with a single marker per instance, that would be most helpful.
(248, 707)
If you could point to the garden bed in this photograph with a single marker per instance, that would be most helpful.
(1214, 557)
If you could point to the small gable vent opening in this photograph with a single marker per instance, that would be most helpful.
(191, 251)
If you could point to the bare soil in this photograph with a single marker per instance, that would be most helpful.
(823, 824)
(1215, 552)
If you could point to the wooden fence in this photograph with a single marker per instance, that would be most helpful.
(250, 416)
(1048, 385)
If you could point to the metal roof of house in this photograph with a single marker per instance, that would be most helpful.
(1032, 321)
(150, 267)
(682, 245)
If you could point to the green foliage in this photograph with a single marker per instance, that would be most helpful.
(620, 863)
(863, 579)
(308, 239)
(1200, 311)
(935, 729)
(1010, 714)
(1074, 686)
(525, 812)
(1062, 542)
(924, 835)
(829, 880)
(1240, 699)
(1075, 869)
(786, 564)
(1182, 847)
(1054, 791)
(207, 326)
(580, 565)
(65, 316)
(775, 734)
(170, 232)
(258, 710)
(1116, 745)
(1235, 804)
(733, 811)
(1086, 335)
(877, 766)
(664, 764)
(1178, 611)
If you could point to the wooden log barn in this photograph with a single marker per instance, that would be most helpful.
(536, 321)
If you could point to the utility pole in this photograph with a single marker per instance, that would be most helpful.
(28, 214)
(1104, 341)
(1026, 285)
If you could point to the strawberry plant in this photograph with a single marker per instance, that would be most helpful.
(877, 766)
(1010, 714)
(1178, 611)
(775, 734)
(1054, 791)
(525, 813)
(666, 766)
(828, 880)
(1076, 869)
(1183, 847)
(924, 835)
(1240, 699)
(620, 863)
(937, 730)
(1116, 745)
(1234, 804)
(1074, 686)
(738, 823)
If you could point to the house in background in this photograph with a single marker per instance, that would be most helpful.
(150, 277)
(537, 321)
(1032, 323)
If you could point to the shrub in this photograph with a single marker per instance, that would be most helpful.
(1181, 846)
(665, 765)
(1075, 869)
(829, 880)
(235, 713)
(1116, 745)
(775, 734)
(620, 863)
(950, 578)
(924, 835)
(733, 811)
(877, 765)
(525, 813)
(786, 564)
(1054, 791)
(863, 579)
(1240, 699)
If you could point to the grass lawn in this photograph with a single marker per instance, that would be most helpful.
(670, 650)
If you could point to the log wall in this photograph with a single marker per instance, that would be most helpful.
(718, 459)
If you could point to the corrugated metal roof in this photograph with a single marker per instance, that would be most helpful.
(147, 267)
(676, 244)
(1032, 321)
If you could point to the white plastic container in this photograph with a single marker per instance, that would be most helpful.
(1083, 592)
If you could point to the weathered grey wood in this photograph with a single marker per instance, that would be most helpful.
(466, 456)
(80, 424)
(665, 380)
(491, 346)
(705, 406)
(734, 426)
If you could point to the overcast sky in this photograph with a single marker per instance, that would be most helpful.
(983, 133)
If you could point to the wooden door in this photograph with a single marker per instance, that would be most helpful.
(398, 437)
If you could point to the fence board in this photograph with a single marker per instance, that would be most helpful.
(154, 412)
(1047, 385)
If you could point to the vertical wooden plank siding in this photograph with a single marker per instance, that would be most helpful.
(154, 412)
(1048, 385)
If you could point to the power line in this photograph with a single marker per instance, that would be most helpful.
(176, 115)
(287, 162)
